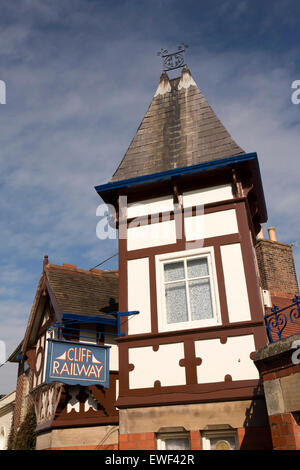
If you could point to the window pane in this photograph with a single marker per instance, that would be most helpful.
(197, 267)
(176, 302)
(200, 299)
(177, 444)
(174, 271)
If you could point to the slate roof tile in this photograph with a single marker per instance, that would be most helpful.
(179, 129)
(83, 292)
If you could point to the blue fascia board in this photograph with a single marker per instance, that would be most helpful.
(176, 172)
(71, 317)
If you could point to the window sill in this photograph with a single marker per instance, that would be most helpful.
(196, 325)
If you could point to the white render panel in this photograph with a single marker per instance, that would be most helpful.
(235, 283)
(49, 335)
(162, 365)
(207, 195)
(90, 402)
(73, 403)
(139, 296)
(117, 390)
(231, 358)
(200, 227)
(150, 206)
(162, 233)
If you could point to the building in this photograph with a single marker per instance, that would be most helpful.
(68, 415)
(279, 362)
(184, 371)
(195, 241)
(7, 403)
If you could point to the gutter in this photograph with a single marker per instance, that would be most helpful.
(109, 190)
(177, 172)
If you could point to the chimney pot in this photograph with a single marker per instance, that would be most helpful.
(260, 235)
(272, 234)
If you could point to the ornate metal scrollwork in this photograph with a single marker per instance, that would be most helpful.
(278, 319)
(295, 312)
(173, 60)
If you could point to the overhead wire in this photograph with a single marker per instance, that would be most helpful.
(102, 262)
(3, 363)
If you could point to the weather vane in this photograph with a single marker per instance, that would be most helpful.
(174, 60)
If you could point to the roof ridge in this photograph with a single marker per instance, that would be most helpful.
(70, 268)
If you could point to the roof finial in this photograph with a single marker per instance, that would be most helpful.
(45, 262)
(173, 60)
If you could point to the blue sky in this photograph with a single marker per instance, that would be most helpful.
(80, 75)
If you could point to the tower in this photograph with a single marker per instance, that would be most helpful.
(189, 205)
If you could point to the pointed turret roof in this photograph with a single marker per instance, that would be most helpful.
(180, 129)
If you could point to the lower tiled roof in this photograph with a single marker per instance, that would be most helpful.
(82, 292)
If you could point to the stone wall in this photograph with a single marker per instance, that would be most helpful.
(279, 367)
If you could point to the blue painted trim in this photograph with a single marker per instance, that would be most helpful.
(123, 314)
(73, 318)
(177, 172)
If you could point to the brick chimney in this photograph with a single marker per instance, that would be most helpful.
(276, 265)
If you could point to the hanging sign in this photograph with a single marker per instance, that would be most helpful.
(77, 363)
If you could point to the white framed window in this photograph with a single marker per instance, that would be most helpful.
(187, 290)
(173, 441)
(220, 440)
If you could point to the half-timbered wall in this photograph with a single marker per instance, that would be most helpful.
(206, 355)
(37, 354)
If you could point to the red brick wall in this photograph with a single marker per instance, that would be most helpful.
(143, 441)
(283, 301)
(147, 441)
(254, 438)
(285, 432)
(107, 447)
(283, 372)
(285, 429)
(195, 438)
